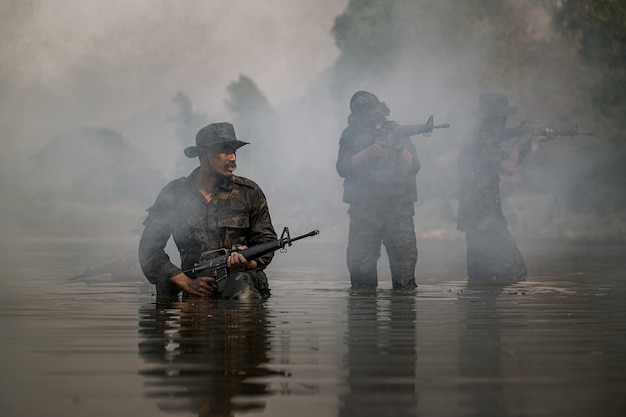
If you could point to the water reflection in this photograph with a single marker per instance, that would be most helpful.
(208, 358)
(480, 352)
(535, 347)
(381, 354)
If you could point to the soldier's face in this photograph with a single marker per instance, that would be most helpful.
(498, 121)
(221, 160)
(377, 124)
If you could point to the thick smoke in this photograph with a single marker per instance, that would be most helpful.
(283, 73)
(128, 67)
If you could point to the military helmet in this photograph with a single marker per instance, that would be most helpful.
(367, 105)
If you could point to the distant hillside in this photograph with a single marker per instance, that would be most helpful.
(84, 181)
(93, 166)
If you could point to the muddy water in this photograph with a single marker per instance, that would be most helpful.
(552, 346)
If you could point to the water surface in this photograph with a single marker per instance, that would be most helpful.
(552, 346)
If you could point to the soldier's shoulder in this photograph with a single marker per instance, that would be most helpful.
(346, 129)
(245, 182)
(349, 134)
(176, 185)
(178, 182)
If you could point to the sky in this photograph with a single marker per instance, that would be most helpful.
(68, 64)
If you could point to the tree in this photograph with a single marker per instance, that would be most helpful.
(254, 121)
(600, 26)
(188, 123)
(560, 61)
(90, 166)
(251, 108)
(365, 35)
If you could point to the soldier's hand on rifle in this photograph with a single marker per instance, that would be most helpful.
(395, 143)
(199, 287)
(376, 149)
(237, 262)
(547, 134)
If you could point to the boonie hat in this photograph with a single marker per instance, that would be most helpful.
(214, 134)
(494, 104)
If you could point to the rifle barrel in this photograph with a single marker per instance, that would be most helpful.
(252, 252)
(311, 233)
(261, 249)
(571, 133)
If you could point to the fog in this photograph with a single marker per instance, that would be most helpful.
(104, 64)
(118, 65)
(120, 70)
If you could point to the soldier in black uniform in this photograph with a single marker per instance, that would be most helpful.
(380, 186)
(210, 209)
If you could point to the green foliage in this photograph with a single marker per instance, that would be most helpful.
(601, 25)
(563, 62)
(366, 35)
(246, 98)
(249, 105)
(188, 122)
(609, 96)
(602, 182)
(254, 122)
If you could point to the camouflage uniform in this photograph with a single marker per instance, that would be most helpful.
(381, 195)
(492, 254)
(238, 215)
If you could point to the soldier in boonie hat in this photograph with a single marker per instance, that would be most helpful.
(492, 255)
(207, 210)
(215, 134)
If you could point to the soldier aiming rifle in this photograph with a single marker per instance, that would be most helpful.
(379, 164)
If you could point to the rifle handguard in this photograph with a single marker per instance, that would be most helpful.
(214, 260)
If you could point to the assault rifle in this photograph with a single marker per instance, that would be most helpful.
(391, 128)
(213, 263)
(528, 128)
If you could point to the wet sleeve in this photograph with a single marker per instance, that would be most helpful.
(495, 153)
(415, 167)
(261, 228)
(154, 261)
(345, 154)
(493, 139)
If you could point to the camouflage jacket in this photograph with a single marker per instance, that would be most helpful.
(238, 215)
(479, 179)
(382, 183)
